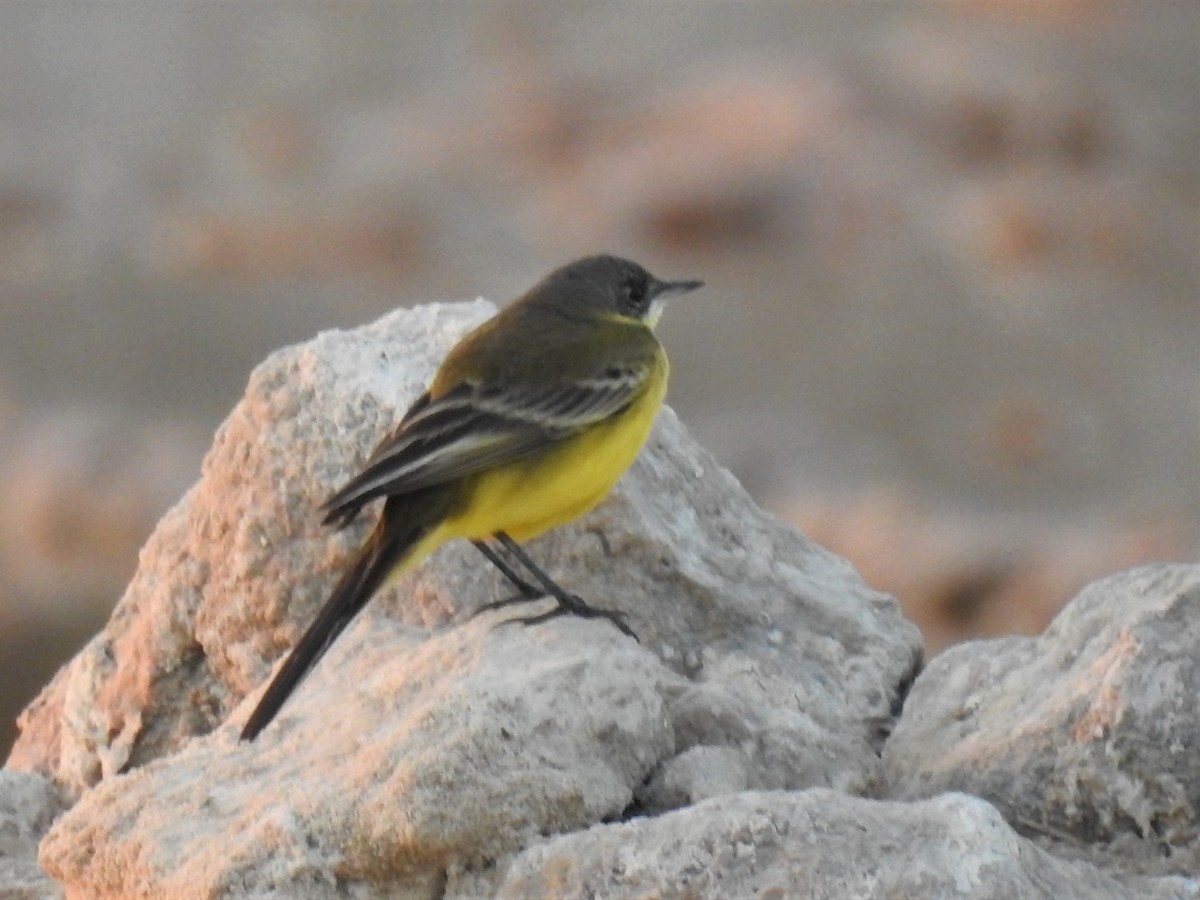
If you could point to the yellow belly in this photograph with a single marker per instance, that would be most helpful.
(529, 497)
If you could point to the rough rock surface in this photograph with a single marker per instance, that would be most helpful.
(436, 754)
(1086, 737)
(427, 744)
(454, 749)
(819, 845)
(28, 804)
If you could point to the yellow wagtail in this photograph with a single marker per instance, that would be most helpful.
(527, 425)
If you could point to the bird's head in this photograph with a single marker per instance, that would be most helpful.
(613, 286)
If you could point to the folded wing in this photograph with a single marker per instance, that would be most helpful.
(476, 426)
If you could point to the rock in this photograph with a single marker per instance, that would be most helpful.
(816, 843)
(82, 488)
(452, 749)
(1085, 737)
(428, 743)
(28, 804)
(187, 639)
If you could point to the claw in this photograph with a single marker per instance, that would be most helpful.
(507, 601)
(576, 607)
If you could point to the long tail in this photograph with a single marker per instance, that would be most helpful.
(389, 546)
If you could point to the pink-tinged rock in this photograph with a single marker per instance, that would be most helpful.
(427, 743)
(1086, 737)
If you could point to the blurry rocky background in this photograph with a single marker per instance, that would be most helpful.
(953, 257)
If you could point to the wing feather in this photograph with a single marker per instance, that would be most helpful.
(475, 426)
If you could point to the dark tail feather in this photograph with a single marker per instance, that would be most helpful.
(379, 555)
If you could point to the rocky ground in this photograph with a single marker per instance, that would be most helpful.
(771, 734)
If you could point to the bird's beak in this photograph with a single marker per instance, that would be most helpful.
(658, 293)
(660, 288)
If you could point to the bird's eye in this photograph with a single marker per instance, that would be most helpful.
(633, 296)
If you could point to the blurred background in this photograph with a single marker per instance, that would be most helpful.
(952, 254)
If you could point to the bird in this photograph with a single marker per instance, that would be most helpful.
(528, 423)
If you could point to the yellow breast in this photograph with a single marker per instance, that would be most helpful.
(531, 496)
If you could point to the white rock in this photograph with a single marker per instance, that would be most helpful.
(424, 742)
(456, 748)
(1086, 737)
(813, 844)
(28, 804)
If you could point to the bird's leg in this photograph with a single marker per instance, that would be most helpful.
(567, 603)
(527, 590)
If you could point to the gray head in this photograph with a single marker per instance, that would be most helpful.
(614, 285)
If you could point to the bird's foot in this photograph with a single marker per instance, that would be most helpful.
(522, 597)
(572, 604)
